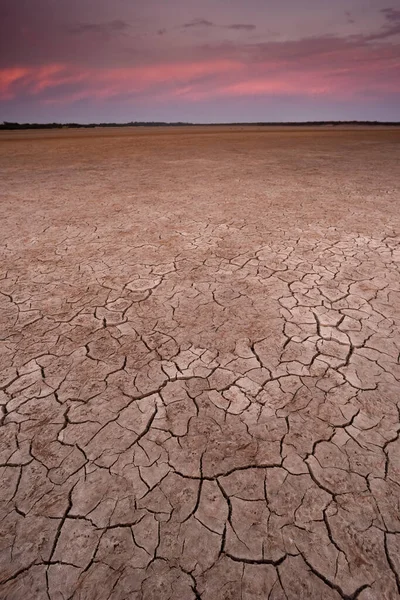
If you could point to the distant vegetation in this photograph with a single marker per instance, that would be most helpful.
(7, 125)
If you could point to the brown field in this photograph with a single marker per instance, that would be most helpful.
(199, 364)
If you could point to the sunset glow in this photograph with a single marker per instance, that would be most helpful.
(145, 64)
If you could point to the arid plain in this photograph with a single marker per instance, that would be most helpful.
(199, 354)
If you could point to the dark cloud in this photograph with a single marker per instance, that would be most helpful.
(206, 23)
(198, 23)
(241, 27)
(392, 14)
(321, 54)
(391, 28)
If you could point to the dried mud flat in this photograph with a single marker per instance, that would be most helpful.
(199, 353)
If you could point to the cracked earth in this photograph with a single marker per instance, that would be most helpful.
(199, 350)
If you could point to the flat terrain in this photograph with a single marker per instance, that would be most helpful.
(199, 353)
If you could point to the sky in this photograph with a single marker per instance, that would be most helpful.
(209, 61)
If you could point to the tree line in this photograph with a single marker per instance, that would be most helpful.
(9, 125)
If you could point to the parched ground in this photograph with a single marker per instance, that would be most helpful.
(200, 378)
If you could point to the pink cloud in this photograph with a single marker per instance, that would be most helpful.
(105, 83)
(8, 79)
(325, 67)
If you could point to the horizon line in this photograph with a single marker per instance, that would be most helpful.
(10, 125)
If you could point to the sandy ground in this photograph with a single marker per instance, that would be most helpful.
(199, 352)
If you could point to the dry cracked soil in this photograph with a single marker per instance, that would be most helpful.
(199, 352)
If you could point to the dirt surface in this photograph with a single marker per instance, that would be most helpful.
(199, 352)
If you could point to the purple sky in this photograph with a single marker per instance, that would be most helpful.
(208, 61)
